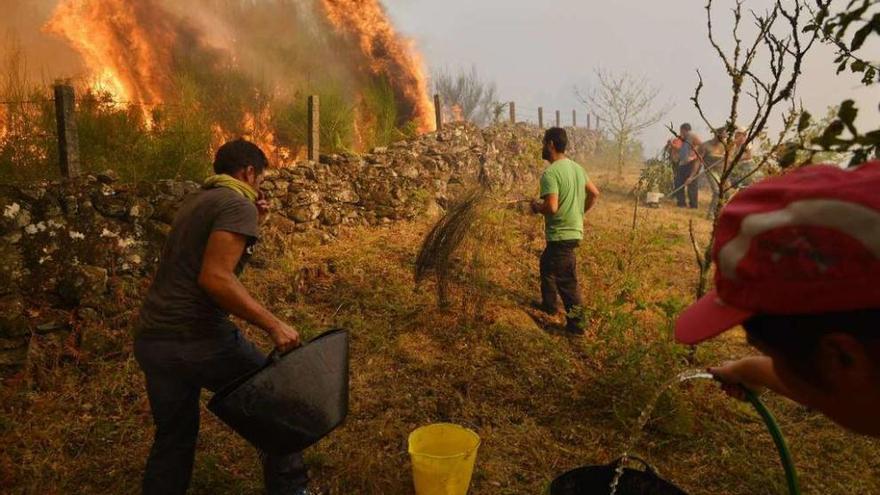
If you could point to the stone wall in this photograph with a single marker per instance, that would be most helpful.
(82, 251)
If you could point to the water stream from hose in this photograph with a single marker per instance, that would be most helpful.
(646, 415)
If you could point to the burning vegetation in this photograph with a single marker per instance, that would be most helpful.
(385, 54)
(204, 71)
(127, 47)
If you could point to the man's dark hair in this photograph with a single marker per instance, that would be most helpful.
(686, 127)
(796, 338)
(237, 155)
(558, 137)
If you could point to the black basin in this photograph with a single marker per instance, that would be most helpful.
(596, 480)
(294, 400)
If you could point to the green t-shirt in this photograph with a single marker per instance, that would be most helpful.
(568, 181)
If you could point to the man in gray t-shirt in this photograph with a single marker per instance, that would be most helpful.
(686, 169)
(185, 340)
(176, 302)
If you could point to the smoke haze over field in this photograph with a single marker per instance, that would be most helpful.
(538, 51)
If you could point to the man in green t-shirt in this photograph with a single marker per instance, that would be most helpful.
(566, 194)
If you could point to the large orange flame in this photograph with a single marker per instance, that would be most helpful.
(258, 128)
(386, 53)
(127, 45)
(137, 51)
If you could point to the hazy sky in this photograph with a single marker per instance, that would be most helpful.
(538, 51)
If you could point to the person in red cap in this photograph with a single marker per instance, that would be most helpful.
(798, 266)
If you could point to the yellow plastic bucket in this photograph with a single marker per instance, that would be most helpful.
(443, 457)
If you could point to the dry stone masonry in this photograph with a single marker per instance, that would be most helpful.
(80, 252)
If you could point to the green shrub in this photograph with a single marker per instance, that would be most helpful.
(291, 119)
(657, 176)
(385, 126)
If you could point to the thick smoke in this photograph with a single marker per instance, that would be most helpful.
(235, 53)
(21, 27)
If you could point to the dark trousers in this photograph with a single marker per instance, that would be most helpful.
(690, 192)
(176, 371)
(559, 276)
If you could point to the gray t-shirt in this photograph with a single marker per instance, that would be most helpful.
(175, 302)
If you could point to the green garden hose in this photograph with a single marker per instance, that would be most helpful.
(785, 456)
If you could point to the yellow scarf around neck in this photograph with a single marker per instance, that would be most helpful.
(230, 182)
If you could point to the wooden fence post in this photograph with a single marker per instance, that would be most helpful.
(558, 119)
(540, 117)
(438, 112)
(513, 112)
(314, 128)
(589, 121)
(574, 118)
(598, 123)
(68, 138)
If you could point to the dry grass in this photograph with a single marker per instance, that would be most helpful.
(543, 403)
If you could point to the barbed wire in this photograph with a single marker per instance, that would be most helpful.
(81, 100)
(36, 135)
(143, 103)
(25, 102)
(524, 113)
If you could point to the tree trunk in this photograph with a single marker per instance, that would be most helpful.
(705, 268)
(706, 265)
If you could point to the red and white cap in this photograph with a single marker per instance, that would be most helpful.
(807, 242)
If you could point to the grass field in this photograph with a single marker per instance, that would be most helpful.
(542, 402)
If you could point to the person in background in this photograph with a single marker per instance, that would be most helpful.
(567, 194)
(688, 166)
(798, 259)
(185, 340)
(670, 151)
(712, 152)
(743, 173)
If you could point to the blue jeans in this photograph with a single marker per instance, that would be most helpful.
(176, 371)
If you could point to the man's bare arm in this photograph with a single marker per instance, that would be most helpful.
(592, 196)
(549, 205)
(217, 278)
(755, 373)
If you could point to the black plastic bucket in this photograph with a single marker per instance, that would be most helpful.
(596, 480)
(294, 400)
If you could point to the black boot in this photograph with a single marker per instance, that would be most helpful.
(540, 306)
(574, 327)
(286, 475)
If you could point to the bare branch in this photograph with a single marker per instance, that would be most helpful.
(714, 44)
(696, 247)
